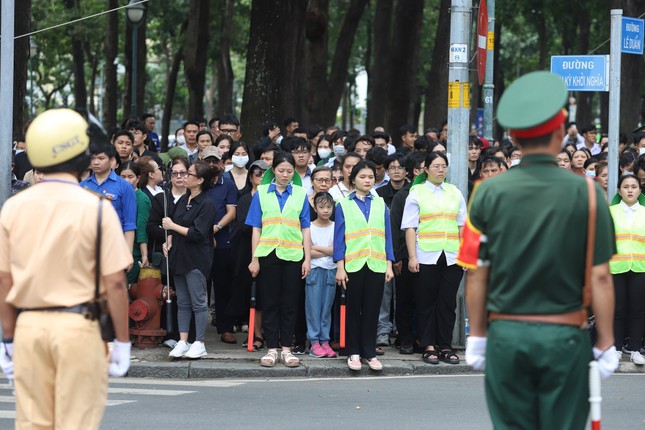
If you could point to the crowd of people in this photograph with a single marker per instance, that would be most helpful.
(312, 214)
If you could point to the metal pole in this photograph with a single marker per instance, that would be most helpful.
(459, 119)
(489, 85)
(6, 94)
(614, 100)
(135, 39)
(31, 86)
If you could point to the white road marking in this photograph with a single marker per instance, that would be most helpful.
(147, 392)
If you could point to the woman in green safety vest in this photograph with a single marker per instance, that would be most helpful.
(433, 216)
(281, 248)
(363, 251)
(628, 267)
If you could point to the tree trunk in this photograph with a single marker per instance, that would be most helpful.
(404, 62)
(22, 25)
(584, 115)
(224, 67)
(436, 97)
(380, 71)
(94, 67)
(317, 21)
(78, 61)
(271, 84)
(195, 58)
(340, 61)
(171, 86)
(110, 51)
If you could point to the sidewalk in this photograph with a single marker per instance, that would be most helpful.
(233, 361)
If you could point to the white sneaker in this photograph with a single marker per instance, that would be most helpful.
(636, 358)
(619, 354)
(197, 350)
(180, 349)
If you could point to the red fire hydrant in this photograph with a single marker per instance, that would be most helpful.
(147, 295)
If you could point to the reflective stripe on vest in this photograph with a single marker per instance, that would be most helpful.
(365, 239)
(630, 241)
(281, 231)
(438, 229)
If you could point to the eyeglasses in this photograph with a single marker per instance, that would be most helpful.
(395, 168)
(228, 131)
(323, 180)
(181, 174)
(438, 167)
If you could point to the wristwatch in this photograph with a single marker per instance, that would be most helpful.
(219, 227)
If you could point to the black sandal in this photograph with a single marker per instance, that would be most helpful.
(448, 356)
(258, 344)
(430, 357)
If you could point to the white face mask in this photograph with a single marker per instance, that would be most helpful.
(324, 152)
(278, 140)
(18, 151)
(228, 168)
(391, 149)
(515, 162)
(339, 150)
(311, 167)
(641, 151)
(590, 173)
(240, 160)
(181, 140)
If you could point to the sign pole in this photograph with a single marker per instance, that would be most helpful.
(489, 85)
(6, 94)
(614, 100)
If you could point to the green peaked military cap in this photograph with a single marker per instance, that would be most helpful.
(532, 105)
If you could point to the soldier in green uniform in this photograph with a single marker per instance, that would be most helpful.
(525, 243)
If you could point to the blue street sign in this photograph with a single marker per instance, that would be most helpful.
(631, 39)
(582, 72)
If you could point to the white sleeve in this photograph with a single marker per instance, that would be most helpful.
(462, 214)
(410, 217)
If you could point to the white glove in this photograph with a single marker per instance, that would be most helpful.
(6, 360)
(119, 359)
(476, 352)
(607, 361)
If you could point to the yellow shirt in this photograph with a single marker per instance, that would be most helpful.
(48, 240)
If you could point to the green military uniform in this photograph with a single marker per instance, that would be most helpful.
(532, 223)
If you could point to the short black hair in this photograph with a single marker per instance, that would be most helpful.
(125, 133)
(301, 130)
(587, 128)
(296, 143)
(381, 135)
(212, 121)
(377, 155)
(406, 129)
(313, 131)
(431, 156)
(190, 122)
(323, 197)
(270, 125)
(363, 164)
(397, 156)
(281, 157)
(490, 161)
(145, 116)
(414, 161)
(288, 120)
(229, 119)
(108, 150)
(133, 124)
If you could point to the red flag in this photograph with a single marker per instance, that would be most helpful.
(469, 247)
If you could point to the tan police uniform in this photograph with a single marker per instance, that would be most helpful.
(47, 243)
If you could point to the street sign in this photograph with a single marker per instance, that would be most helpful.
(482, 41)
(631, 37)
(582, 72)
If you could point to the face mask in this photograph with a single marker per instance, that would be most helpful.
(590, 173)
(18, 151)
(181, 140)
(278, 140)
(641, 151)
(339, 150)
(228, 168)
(391, 149)
(311, 167)
(515, 162)
(240, 160)
(324, 152)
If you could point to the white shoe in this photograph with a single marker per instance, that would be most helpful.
(180, 349)
(354, 362)
(636, 358)
(197, 350)
(619, 354)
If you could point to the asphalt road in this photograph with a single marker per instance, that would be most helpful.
(413, 402)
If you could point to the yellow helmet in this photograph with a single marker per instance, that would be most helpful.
(56, 136)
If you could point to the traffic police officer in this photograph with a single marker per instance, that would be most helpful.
(525, 240)
(47, 276)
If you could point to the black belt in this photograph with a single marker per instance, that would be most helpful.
(82, 309)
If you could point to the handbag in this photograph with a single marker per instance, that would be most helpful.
(100, 304)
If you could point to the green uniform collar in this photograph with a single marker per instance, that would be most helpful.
(538, 159)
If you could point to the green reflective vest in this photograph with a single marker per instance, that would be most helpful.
(365, 239)
(281, 230)
(438, 229)
(630, 241)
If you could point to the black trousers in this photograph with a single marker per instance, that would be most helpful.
(279, 287)
(404, 312)
(363, 298)
(630, 309)
(222, 287)
(435, 293)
